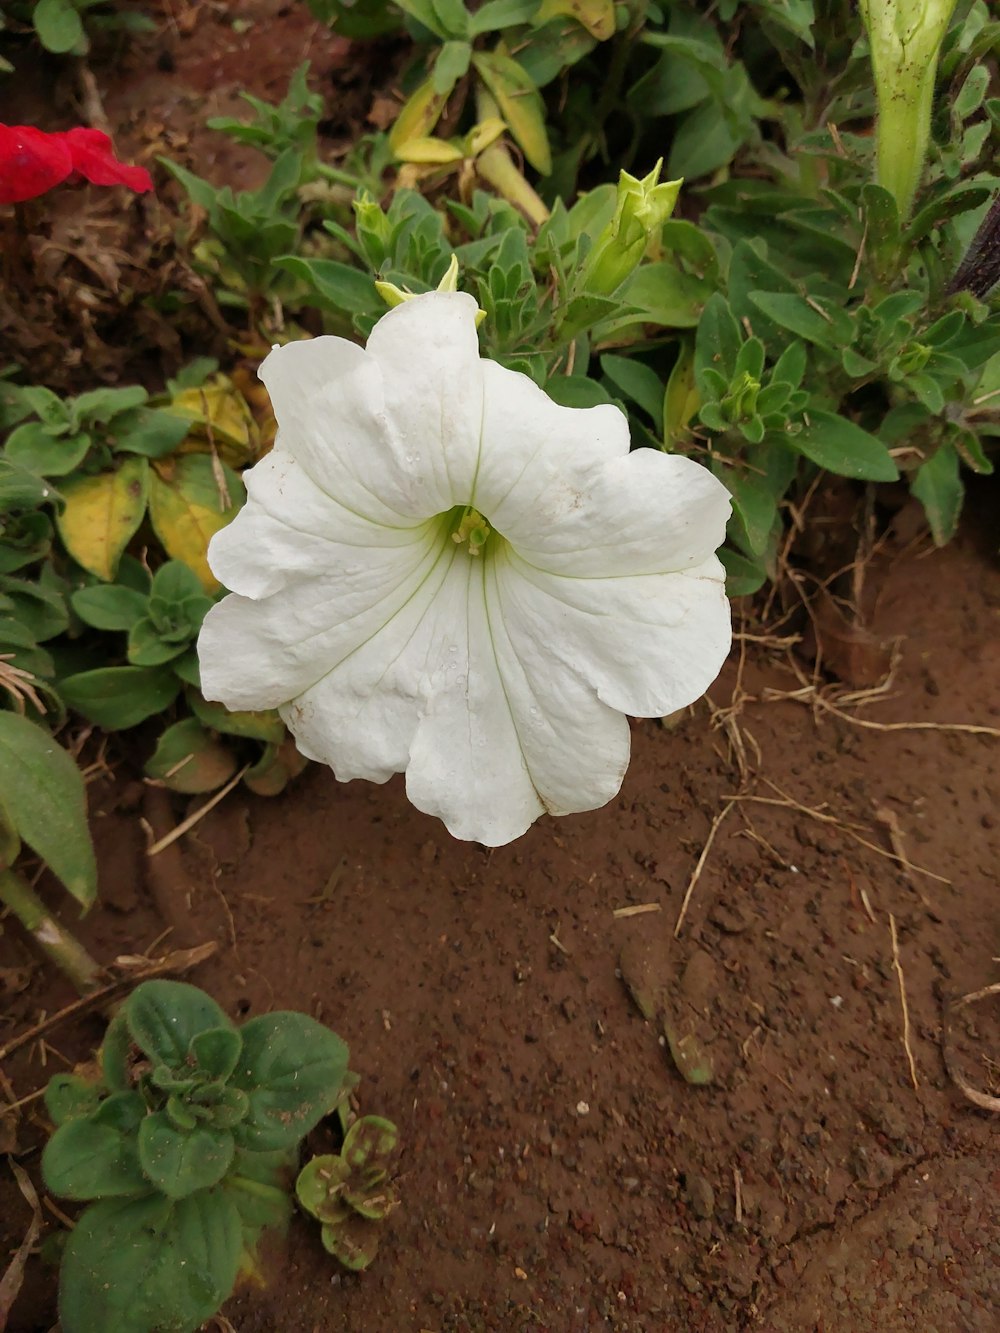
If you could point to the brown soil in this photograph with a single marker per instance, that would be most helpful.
(557, 1171)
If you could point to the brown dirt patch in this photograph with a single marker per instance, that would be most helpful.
(864, 1204)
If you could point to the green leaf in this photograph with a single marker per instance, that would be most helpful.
(637, 382)
(44, 797)
(40, 609)
(334, 285)
(179, 1161)
(31, 446)
(938, 486)
(263, 726)
(794, 313)
(148, 648)
(217, 1051)
(494, 15)
(187, 759)
(69, 1097)
(318, 1187)
(292, 1069)
(354, 1242)
(576, 391)
(755, 506)
(99, 406)
(165, 1016)
(717, 342)
(116, 698)
(369, 1140)
(834, 443)
(202, 192)
(451, 65)
(109, 606)
(136, 1265)
(149, 431)
(87, 1160)
(20, 488)
(59, 26)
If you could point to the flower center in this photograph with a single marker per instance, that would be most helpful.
(469, 528)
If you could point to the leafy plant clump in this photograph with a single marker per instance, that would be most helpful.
(349, 1192)
(184, 1148)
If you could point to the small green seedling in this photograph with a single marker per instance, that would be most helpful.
(349, 1192)
(184, 1150)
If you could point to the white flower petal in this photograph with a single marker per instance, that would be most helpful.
(537, 456)
(259, 654)
(428, 352)
(490, 736)
(561, 486)
(425, 697)
(647, 643)
(337, 430)
(290, 529)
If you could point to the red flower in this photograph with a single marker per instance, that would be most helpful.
(32, 162)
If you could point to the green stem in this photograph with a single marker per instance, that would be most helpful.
(52, 938)
(903, 130)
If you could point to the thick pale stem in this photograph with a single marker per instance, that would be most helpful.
(904, 127)
(905, 38)
(52, 938)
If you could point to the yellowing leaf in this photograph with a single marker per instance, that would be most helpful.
(419, 115)
(520, 105)
(190, 499)
(101, 515)
(428, 150)
(482, 135)
(220, 415)
(597, 16)
(259, 402)
(187, 759)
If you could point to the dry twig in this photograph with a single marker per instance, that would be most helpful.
(196, 815)
(902, 1001)
(981, 1099)
(700, 866)
(10, 1283)
(181, 960)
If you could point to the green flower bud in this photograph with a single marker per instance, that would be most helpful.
(905, 37)
(641, 209)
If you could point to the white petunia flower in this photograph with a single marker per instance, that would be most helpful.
(440, 571)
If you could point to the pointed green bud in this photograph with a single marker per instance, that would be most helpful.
(641, 209)
(371, 219)
(393, 295)
(449, 283)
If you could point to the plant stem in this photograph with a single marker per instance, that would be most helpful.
(52, 938)
(903, 131)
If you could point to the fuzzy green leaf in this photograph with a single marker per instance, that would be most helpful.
(141, 1264)
(45, 799)
(180, 1161)
(119, 697)
(834, 443)
(292, 1069)
(164, 1017)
